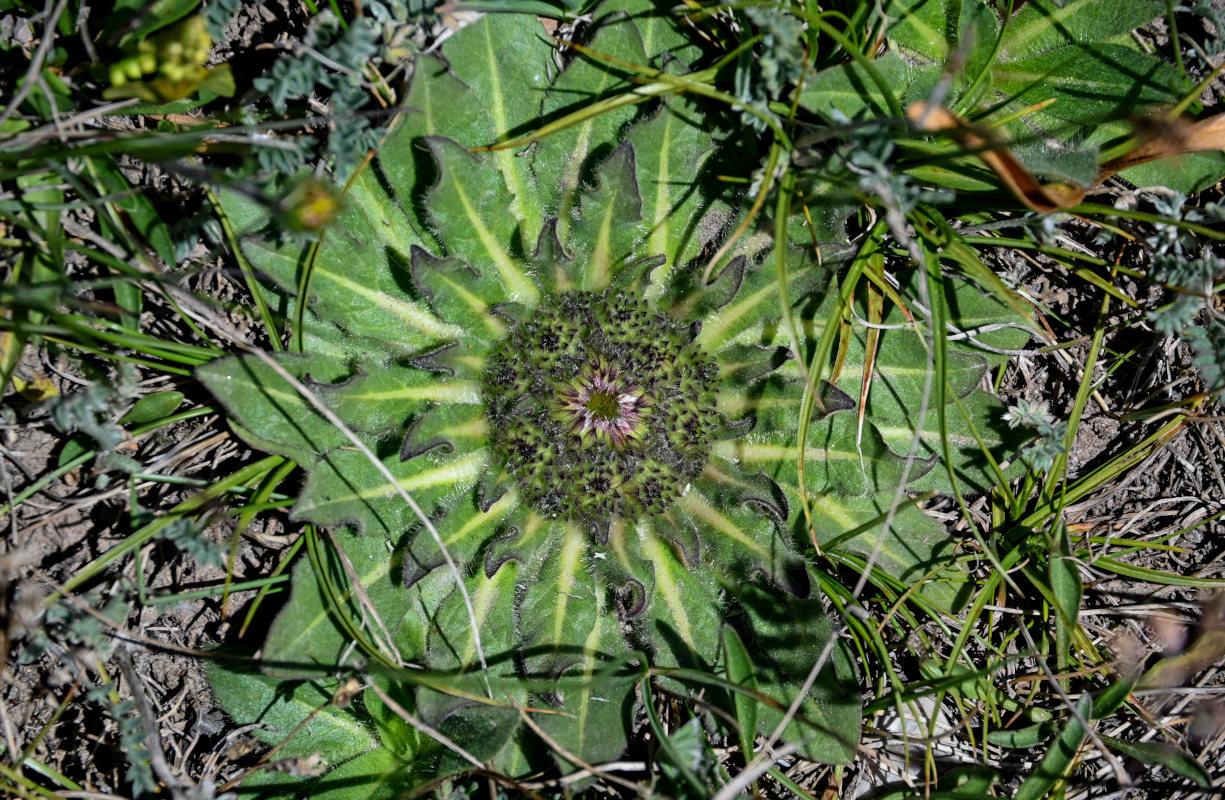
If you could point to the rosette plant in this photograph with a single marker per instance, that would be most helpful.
(555, 443)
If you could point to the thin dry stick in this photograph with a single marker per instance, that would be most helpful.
(752, 771)
(331, 417)
(10, 737)
(153, 739)
(583, 774)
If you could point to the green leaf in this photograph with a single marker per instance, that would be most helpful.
(677, 605)
(75, 447)
(742, 292)
(1166, 755)
(273, 416)
(791, 635)
(609, 224)
(360, 274)
(218, 81)
(666, 37)
(503, 61)
(935, 30)
(670, 152)
(377, 775)
(345, 486)
(972, 779)
(151, 407)
(574, 152)
(279, 708)
(571, 634)
(916, 548)
(739, 667)
(740, 518)
(486, 730)
(1058, 760)
(838, 459)
(396, 734)
(359, 278)
(897, 384)
(1043, 25)
(468, 186)
(468, 524)
(138, 211)
(848, 90)
(1110, 699)
(1087, 84)
(685, 751)
(1023, 738)
(307, 637)
(438, 104)
(1066, 586)
(277, 418)
(148, 16)
(278, 265)
(457, 291)
(898, 380)
(1188, 174)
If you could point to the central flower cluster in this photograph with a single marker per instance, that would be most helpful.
(602, 404)
(600, 407)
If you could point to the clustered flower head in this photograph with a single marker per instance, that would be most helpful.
(600, 407)
(602, 404)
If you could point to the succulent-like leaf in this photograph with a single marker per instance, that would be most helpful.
(574, 153)
(503, 59)
(571, 634)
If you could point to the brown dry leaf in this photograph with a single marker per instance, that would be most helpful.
(1042, 197)
(1163, 138)
(1160, 138)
